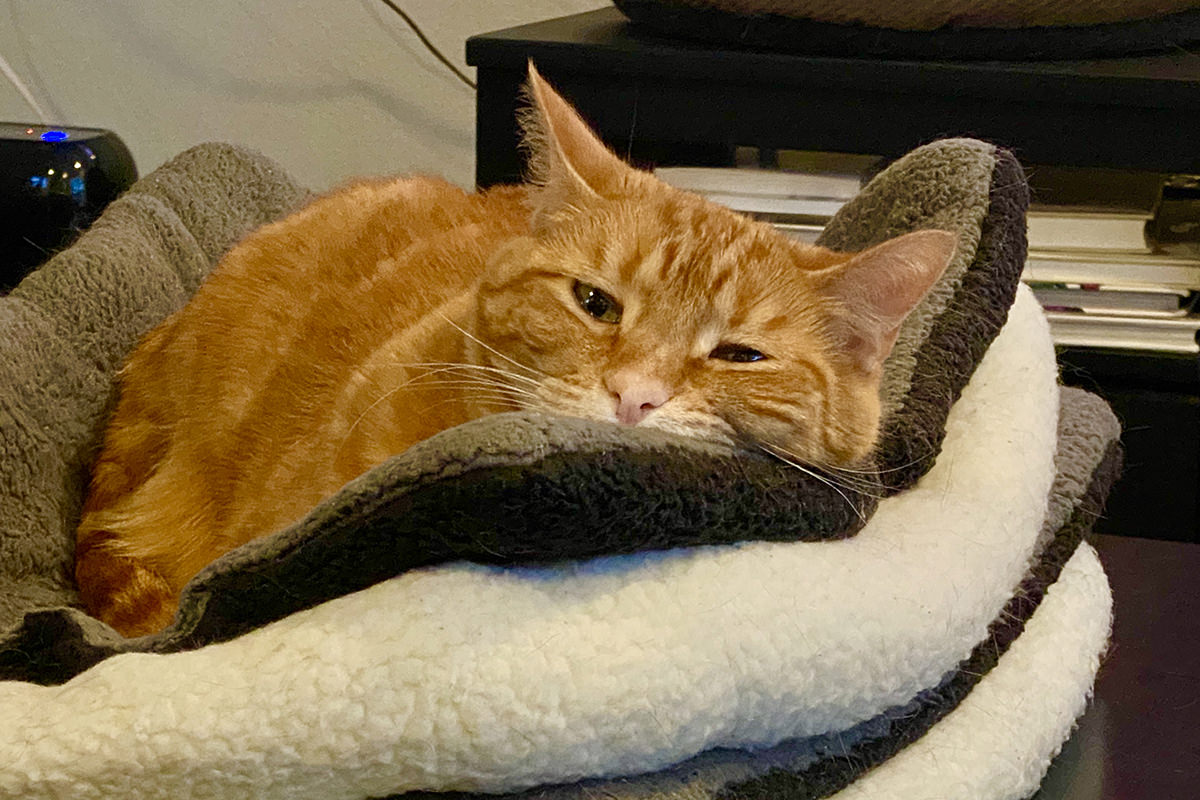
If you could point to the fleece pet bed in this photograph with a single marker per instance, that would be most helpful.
(549, 607)
(928, 29)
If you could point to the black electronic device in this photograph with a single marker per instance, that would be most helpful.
(54, 181)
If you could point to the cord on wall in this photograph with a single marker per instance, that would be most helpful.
(23, 90)
(430, 46)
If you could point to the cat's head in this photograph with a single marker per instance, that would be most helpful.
(634, 302)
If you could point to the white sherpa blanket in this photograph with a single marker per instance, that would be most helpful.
(478, 678)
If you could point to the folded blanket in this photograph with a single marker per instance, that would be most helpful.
(637, 614)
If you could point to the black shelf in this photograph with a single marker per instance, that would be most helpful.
(1137, 113)
(1157, 399)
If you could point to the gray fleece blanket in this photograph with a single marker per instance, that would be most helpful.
(567, 525)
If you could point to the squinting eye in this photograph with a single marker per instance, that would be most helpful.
(599, 304)
(737, 353)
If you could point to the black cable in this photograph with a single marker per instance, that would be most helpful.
(430, 46)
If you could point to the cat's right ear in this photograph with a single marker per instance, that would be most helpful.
(568, 163)
(880, 286)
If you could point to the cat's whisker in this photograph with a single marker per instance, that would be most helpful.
(357, 420)
(487, 385)
(515, 395)
(864, 481)
(880, 471)
(450, 366)
(489, 379)
(500, 400)
(490, 375)
(873, 471)
(846, 470)
(430, 380)
(498, 393)
(389, 393)
(857, 483)
(491, 349)
(498, 389)
(853, 483)
(815, 474)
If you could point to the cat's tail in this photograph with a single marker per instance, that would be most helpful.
(120, 589)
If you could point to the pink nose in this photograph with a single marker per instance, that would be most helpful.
(637, 394)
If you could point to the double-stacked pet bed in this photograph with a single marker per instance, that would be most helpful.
(551, 608)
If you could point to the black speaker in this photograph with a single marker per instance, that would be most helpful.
(53, 183)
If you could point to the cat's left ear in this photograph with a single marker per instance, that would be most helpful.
(568, 162)
(878, 288)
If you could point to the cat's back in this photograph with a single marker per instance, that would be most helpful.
(270, 339)
(330, 279)
(398, 242)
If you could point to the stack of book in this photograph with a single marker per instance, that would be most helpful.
(1097, 261)
(1103, 283)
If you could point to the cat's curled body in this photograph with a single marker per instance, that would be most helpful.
(387, 311)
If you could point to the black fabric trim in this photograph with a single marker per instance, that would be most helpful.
(48, 648)
(962, 333)
(567, 506)
(779, 33)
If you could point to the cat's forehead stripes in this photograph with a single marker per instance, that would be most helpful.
(775, 323)
(708, 274)
(690, 249)
(645, 263)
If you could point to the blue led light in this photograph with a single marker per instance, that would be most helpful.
(54, 136)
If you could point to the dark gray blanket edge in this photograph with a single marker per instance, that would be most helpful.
(959, 337)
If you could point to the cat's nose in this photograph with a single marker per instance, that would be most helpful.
(636, 393)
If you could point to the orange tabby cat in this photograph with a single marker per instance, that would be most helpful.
(393, 309)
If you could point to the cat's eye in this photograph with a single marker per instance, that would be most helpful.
(598, 303)
(737, 353)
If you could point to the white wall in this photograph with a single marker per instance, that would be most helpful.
(329, 88)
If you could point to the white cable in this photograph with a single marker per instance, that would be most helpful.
(16, 81)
